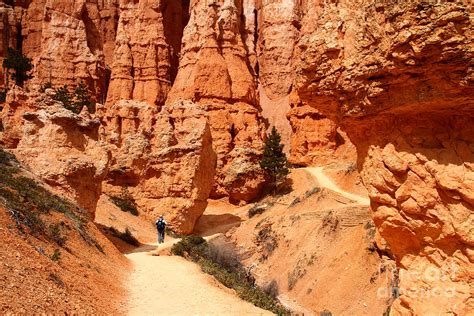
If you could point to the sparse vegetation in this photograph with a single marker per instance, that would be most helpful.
(298, 271)
(312, 192)
(126, 236)
(271, 288)
(3, 95)
(330, 221)
(352, 167)
(125, 202)
(28, 202)
(325, 313)
(56, 279)
(267, 240)
(56, 256)
(76, 100)
(20, 64)
(292, 279)
(55, 234)
(45, 87)
(296, 201)
(258, 209)
(274, 162)
(227, 271)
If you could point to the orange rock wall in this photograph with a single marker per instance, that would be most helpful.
(215, 70)
(61, 147)
(397, 78)
(163, 159)
(394, 76)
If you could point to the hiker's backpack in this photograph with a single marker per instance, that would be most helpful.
(160, 225)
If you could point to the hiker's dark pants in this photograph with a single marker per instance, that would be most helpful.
(161, 236)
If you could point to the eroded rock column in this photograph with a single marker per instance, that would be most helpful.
(215, 71)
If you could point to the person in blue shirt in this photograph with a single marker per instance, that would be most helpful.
(160, 226)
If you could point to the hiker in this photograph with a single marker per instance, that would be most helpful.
(161, 225)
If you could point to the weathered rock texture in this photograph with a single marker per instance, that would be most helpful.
(215, 71)
(278, 32)
(394, 76)
(316, 139)
(398, 78)
(60, 147)
(164, 159)
(146, 50)
(64, 39)
(9, 31)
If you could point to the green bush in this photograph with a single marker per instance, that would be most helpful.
(76, 100)
(230, 275)
(193, 246)
(20, 64)
(83, 98)
(56, 255)
(55, 234)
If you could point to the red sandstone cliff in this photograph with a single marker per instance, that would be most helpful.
(389, 82)
(398, 79)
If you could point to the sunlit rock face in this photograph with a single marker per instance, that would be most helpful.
(397, 77)
(164, 159)
(215, 70)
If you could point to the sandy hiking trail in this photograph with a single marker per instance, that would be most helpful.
(325, 181)
(171, 285)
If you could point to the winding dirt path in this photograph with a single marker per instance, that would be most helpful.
(171, 285)
(325, 181)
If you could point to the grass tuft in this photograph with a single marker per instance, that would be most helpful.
(28, 202)
(227, 272)
(56, 256)
(258, 209)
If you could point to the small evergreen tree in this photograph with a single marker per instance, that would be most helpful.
(3, 96)
(83, 98)
(274, 161)
(20, 64)
(76, 100)
(63, 95)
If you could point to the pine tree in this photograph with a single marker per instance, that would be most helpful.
(63, 95)
(20, 64)
(274, 161)
(75, 101)
(83, 98)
